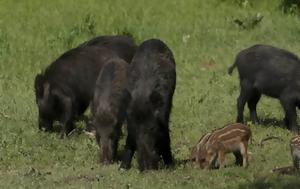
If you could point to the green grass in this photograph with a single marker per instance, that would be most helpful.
(204, 40)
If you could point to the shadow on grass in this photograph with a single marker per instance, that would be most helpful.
(270, 122)
(273, 182)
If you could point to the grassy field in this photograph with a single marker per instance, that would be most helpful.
(204, 39)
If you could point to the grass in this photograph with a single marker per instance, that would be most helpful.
(204, 39)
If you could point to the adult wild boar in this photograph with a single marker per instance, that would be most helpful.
(151, 84)
(109, 107)
(123, 46)
(268, 70)
(65, 89)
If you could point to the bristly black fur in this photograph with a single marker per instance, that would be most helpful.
(151, 85)
(65, 89)
(268, 70)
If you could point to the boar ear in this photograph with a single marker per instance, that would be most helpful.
(38, 85)
(156, 99)
(46, 90)
(41, 86)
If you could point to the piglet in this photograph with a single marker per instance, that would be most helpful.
(295, 151)
(213, 146)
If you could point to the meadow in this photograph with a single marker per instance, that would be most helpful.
(204, 38)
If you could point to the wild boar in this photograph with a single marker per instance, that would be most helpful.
(151, 85)
(64, 90)
(268, 70)
(213, 146)
(123, 46)
(109, 107)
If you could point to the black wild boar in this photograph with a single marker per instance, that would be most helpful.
(268, 70)
(123, 46)
(64, 90)
(109, 107)
(151, 84)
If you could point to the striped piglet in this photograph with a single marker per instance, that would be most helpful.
(295, 151)
(213, 146)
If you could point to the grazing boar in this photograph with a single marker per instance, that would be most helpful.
(151, 84)
(295, 151)
(64, 90)
(268, 70)
(109, 107)
(213, 146)
(123, 46)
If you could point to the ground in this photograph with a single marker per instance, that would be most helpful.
(205, 36)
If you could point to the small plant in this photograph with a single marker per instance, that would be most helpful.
(240, 3)
(249, 22)
(243, 3)
(125, 31)
(85, 27)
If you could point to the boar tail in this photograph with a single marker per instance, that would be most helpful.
(231, 68)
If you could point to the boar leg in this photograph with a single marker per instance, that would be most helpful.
(242, 99)
(238, 158)
(129, 150)
(221, 159)
(296, 163)
(66, 119)
(212, 160)
(115, 141)
(244, 152)
(290, 114)
(98, 142)
(252, 102)
(165, 150)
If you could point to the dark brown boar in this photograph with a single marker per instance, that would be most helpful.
(66, 87)
(109, 107)
(64, 90)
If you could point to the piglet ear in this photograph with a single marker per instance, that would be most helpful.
(156, 99)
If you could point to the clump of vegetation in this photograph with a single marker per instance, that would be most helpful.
(241, 3)
(85, 27)
(291, 6)
(249, 22)
(4, 44)
(125, 31)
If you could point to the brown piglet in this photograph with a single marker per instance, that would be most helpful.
(295, 151)
(213, 146)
